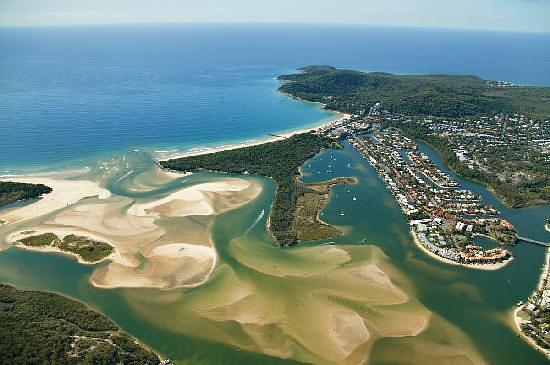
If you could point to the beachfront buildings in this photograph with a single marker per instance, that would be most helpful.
(443, 217)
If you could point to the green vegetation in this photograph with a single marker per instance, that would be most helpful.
(89, 250)
(440, 95)
(307, 225)
(515, 195)
(45, 239)
(279, 160)
(11, 192)
(46, 328)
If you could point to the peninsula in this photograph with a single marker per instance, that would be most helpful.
(294, 214)
(11, 192)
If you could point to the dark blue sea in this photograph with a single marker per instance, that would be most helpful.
(69, 95)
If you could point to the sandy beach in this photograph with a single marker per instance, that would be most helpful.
(65, 193)
(487, 267)
(227, 147)
(518, 321)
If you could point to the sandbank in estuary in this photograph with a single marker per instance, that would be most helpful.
(146, 253)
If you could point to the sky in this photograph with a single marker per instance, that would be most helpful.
(503, 15)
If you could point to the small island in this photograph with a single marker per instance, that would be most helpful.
(46, 328)
(11, 192)
(85, 249)
(295, 210)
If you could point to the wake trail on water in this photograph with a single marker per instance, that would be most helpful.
(124, 176)
(262, 213)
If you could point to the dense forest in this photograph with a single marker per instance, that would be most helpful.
(11, 192)
(279, 160)
(46, 328)
(440, 95)
(514, 195)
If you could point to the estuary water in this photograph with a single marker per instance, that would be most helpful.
(114, 98)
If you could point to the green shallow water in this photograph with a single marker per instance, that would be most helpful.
(477, 302)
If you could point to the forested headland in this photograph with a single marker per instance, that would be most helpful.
(352, 92)
(518, 174)
(279, 160)
(11, 192)
(46, 328)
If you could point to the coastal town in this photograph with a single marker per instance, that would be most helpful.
(444, 218)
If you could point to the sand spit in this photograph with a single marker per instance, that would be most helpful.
(65, 193)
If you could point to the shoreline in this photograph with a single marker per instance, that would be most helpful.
(51, 249)
(486, 267)
(236, 145)
(64, 193)
(517, 320)
(13, 240)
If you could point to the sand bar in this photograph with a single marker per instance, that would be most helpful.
(65, 193)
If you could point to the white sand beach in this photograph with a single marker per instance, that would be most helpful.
(65, 193)
(228, 147)
(487, 267)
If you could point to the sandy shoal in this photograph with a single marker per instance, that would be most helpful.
(168, 264)
(147, 249)
(193, 200)
(65, 193)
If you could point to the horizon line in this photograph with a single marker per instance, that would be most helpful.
(278, 23)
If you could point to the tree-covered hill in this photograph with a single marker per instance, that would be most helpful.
(11, 192)
(441, 95)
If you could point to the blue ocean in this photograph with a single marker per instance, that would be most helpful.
(70, 95)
